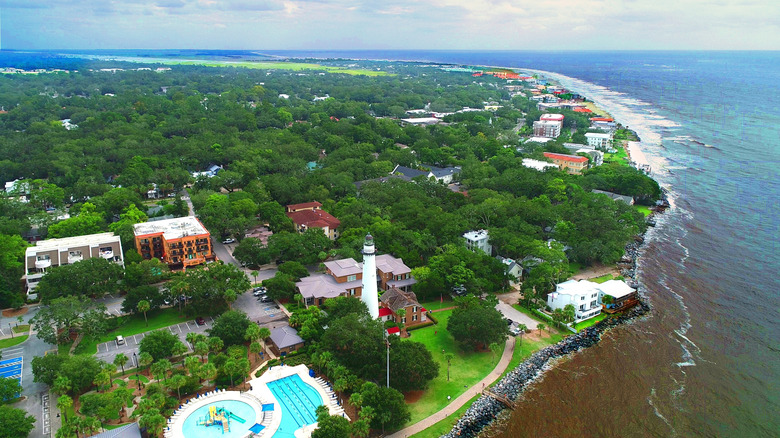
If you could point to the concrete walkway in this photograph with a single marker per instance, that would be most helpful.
(463, 398)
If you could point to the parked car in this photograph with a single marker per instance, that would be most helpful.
(265, 299)
(120, 340)
(229, 240)
(200, 321)
(258, 291)
(514, 330)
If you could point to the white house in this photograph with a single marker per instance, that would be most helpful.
(547, 128)
(583, 295)
(478, 240)
(598, 140)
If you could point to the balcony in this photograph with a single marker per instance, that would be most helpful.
(73, 258)
(42, 264)
(108, 255)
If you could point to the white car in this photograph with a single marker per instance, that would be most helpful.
(230, 240)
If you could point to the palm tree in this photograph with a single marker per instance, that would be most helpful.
(161, 367)
(63, 404)
(541, 327)
(62, 385)
(254, 274)
(120, 360)
(102, 379)
(176, 383)
(216, 344)
(448, 357)
(190, 338)
(255, 348)
(201, 349)
(494, 348)
(401, 315)
(252, 333)
(145, 359)
(207, 372)
(178, 349)
(522, 328)
(230, 296)
(264, 334)
(144, 306)
(192, 365)
(154, 423)
(299, 299)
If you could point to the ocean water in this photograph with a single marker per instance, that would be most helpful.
(706, 362)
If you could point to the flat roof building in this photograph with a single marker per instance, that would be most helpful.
(573, 164)
(51, 253)
(180, 242)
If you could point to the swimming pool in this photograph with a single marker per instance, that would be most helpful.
(298, 402)
(243, 417)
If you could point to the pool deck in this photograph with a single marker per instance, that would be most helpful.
(256, 397)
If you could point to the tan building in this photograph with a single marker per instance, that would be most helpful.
(311, 215)
(179, 242)
(285, 340)
(50, 253)
(573, 164)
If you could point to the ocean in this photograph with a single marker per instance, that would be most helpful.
(706, 362)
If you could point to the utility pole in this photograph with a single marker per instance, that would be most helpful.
(387, 343)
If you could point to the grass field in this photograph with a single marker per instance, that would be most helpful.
(643, 209)
(467, 368)
(24, 328)
(602, 279)
(133, 325)
(270, 65)
(620, 156)
(10, 342)
(589, 322)
(446, 424)
(141, 377)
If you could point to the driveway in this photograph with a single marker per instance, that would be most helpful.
(516, 315)
(107, 351)
(264, 314)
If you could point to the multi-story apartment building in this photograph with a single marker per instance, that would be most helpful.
(179, 242)
(573, 164)
(547, 128)
(598, 139)
(50, 253)
(311, 215)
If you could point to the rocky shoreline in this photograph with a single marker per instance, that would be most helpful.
(486, 409)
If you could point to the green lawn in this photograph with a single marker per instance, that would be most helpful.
(445, 425)
(467, 368)
(24, 328)
(525, 347)
(644, 210)
(620, 156)
(589, 322)
(602, 279)
(141, 377)
(574, 268)
(438, 304)
(133, 325)
(10, 342)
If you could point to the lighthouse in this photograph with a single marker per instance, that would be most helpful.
(369, 295)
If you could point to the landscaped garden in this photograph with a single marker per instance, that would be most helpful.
(10, 342)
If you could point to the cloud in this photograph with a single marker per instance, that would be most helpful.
(252, 5)
(170, 3)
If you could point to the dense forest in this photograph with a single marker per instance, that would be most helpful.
(280, 142)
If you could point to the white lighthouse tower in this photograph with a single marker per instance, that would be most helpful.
(370, 296)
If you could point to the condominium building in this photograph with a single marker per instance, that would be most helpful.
(573, 164)
(179, 242)
(478, 240)
(598, 140)
(50, 253)
(547, 128)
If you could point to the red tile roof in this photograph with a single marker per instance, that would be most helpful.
(313, 204)
(314, 218)
(393, 330)
(582, 110)
(601, 119)
(384, 311)
(564, 157)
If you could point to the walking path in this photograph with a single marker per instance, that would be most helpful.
(463, 398)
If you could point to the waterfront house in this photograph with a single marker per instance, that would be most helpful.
(615, 197)
(583, 295)
(616, 295)
(598, 140)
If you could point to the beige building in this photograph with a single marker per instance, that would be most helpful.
(50, 253)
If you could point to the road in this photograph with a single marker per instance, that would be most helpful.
(516, 315)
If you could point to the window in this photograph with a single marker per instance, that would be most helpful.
(403, 320)
(582, 298)
(414, 309)
(582, 307)
(42, 258)
(351, 277)
(414, 317)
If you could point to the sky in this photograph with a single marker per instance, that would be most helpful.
(390, 24)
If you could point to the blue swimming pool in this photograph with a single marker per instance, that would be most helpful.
(242, 417)
(298, 402)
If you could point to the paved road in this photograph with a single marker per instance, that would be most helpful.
(462, 399)
(516, 315)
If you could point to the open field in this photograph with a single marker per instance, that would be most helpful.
(266, 65)
(467, 368)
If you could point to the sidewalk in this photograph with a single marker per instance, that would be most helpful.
(463, 398)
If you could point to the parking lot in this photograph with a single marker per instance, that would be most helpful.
(107, 351)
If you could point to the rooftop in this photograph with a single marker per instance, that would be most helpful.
(68, 242)
(538, 164)
(551, 117)
(397, 299)
(324, 286)
(616, 288)
(564, 157)
(343, 267)
(305, 205)
(175, 228)
(476, 235)
(388, 263)
(285, 336)
(597, 135)
(313, 218)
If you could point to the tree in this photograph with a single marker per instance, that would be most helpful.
(146, 272)
(252, 252)
(541, 326)
(207, 372)
(93, 277)
(64, 403)
(477, 325)
(145, 359)
(231, 327)
(144, 306)
(448, 357)
(522, 328)
(177, 382)
(569, 314)
(159, 344)
(130, 216)
(153, 422)
(411, 365)
(215, 344)
(254, 274)
(9, 389)
(330, 426)
(81, 371)
(207, 287)
(280, 287)
(61, 385)
(255, 348)
(102, 380)
(161, 368)
(201, 349)
(230, 297)
(150, 294)
(357, 343)
(88, 221)
(15, 423)
(12, 248)
(46, 369)
(388, 403)
(294, 269)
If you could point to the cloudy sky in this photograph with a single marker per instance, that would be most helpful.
(390, 24)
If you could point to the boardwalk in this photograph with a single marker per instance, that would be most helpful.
(463, 398)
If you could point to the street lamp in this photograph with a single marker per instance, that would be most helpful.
(387, 342)
(12, 330)
(137, 378)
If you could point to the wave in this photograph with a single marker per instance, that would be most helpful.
(657, 412)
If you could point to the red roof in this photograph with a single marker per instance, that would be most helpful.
(305, 205)
(564, 157)
(393, 330)
(477, 74)
(582, 110)
(384, 311)
(423, 310)
(314, 218)
(601, 119)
